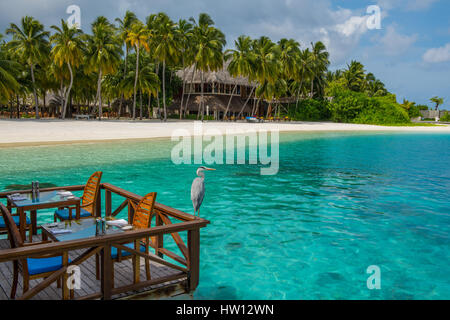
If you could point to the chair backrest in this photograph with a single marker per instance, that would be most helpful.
(143, 213)
(14, 235)
(91, 191)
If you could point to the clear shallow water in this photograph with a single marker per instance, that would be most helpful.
(340, 203)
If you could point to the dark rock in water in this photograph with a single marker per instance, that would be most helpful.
(326, 278)
(246, 174)
(233, 245)
(42, 185)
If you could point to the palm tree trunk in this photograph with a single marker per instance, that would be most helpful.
(140, 104)
(149, 107)
(11, 108)
(157, 94)
(298, 93)
(61, 94)
(189, 94)
(99, 94)
(202, 102)
(18, 107)
(312, 88)
(245, 104)
(269, 109)
(183, 88)
(34, 92)
(164, 89)
(45, 101)
(229, 102)
(182, 98)
(135, 82)
(66, 99)
(124, 75)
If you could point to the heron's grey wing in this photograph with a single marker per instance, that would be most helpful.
(197, 192)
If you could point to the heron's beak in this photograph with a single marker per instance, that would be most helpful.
(210, 169)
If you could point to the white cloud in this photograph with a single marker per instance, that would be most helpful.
(394, 43)
(353, 26)
(436, 55)
(413, 5)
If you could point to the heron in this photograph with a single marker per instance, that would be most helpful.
(198, 188)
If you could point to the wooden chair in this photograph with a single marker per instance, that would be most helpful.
(16, 218)
(141, 220)
(31, 268)
(88, 201)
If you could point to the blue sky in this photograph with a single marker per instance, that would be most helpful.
(410, 53)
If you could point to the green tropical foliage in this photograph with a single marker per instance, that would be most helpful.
(129, 66)
(438, 101)
(29, 45)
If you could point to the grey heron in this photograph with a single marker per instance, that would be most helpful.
(198, 188)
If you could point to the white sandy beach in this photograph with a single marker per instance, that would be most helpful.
(35, 132)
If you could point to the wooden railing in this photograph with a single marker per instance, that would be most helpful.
(167, 221)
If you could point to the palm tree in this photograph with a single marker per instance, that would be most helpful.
(289, 56)
(125, 28)
(319, 63)
(165, 48)
(266, 68)
(30, 44)
(148, 83)
(304, 71)
(104, 52)
(407, 105)
(438, 101)
(9, 70)
(240, 64)
(183, 37)
(207, 46)
(137, 38)
(68, 49)
(355, 77)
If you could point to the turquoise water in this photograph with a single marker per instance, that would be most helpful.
(340, 203)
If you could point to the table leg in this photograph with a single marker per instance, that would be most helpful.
(44, 235)
(22, 223)
(33, 216)
(77, 212)
(107, 273)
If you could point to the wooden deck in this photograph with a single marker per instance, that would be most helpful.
(123, 275)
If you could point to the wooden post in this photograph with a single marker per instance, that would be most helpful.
(194, 258)
(98, 205)
(159, 239)
(106, 272)
(136, 262)
(130, 212)
(33, 216)
(107, 203)
(65, 277)
(22, 224)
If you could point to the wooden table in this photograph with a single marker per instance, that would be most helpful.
(86, 228)
(47, 200)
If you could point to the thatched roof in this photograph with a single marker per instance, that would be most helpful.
(215, 103)
(221, 76)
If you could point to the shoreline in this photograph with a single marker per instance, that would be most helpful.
(29, 132)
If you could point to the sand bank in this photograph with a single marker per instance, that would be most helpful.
(39, 132)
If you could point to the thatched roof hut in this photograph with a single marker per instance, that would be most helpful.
(189, 75)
